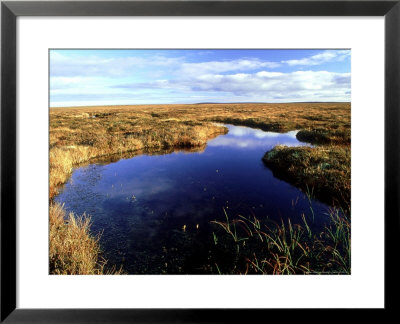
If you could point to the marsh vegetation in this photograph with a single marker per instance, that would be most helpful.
(248, 241)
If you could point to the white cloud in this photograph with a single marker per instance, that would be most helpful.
(326, 56)
(267, 86)
(225, 66)
(153, 78)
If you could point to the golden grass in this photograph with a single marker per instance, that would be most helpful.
(73, 250)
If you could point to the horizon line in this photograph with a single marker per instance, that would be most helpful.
(202, 103)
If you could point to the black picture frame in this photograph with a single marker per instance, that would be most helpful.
(10, 10)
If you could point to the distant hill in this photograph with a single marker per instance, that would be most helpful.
(255, 102)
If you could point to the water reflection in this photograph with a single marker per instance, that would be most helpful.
(244, 137)
(154, 210)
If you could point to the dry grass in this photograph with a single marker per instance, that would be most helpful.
(73, 250)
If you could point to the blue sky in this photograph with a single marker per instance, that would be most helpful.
(123, 77)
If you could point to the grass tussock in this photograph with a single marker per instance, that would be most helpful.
(257, 248)
(73, 249)
(321, 136)
(325, 169)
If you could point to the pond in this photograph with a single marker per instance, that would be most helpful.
(155, 210)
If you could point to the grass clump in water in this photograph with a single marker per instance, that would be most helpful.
(72, 248)
(326, 169)
(323, 136)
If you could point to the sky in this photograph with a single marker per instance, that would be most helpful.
(131, 77)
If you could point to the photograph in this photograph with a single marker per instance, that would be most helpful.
(199, 161)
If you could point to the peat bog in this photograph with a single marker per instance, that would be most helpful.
(202, 189)
(154, 210)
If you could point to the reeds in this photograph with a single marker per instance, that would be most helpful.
(286, 248)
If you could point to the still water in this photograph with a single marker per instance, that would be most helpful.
(154, 210)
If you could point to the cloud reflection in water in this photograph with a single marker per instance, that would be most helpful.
(244, 137)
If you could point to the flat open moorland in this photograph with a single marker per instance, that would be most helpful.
(79, 135)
